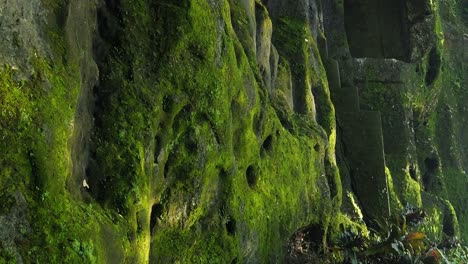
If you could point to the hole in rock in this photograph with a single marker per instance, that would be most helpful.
(251, 175)
(268, 143)
(317, 147)
(231, 226)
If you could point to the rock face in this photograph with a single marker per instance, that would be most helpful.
(139, 131)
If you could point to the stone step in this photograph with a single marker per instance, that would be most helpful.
(345, 99)
(363, 146)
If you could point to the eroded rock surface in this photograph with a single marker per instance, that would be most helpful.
(209, 130)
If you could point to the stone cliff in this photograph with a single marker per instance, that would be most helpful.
(210, 131)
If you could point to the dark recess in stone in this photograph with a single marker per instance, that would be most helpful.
(158, 147)
(433, 69)
(95, 182)
(317, 147)
(432, 164)
(251, 175)
(312, 236)
(156, 212)
(106, 44)
(37, 183)
(412, 172)
(447, 226)
(223, 173)
(166, 167)
(231, 226)
(268, 143)
(191, 142)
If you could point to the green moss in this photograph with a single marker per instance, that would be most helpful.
(292, 38)
(242, 25)
(395, 204)
(456, 182)
(182, 121)
(208, 144)
(214, 249)
(38, 121)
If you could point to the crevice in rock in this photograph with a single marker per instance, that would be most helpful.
(80, 38)
(433, 69)
(105, 46)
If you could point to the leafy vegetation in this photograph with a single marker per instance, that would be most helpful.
(391, 242)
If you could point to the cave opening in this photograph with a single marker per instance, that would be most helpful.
(377, 29)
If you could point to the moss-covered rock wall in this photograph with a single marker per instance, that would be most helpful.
(205, 131)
